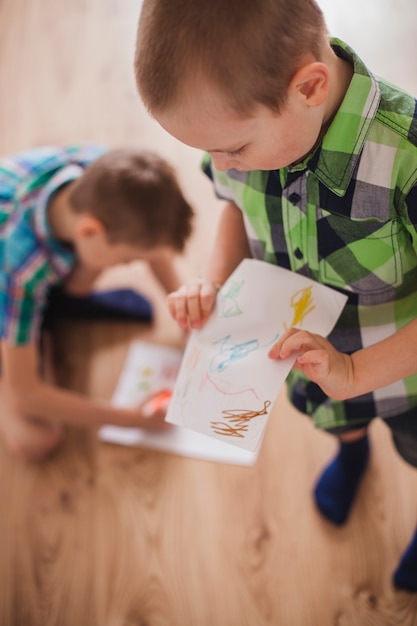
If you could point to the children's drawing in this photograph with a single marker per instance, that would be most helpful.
(158, 366)
(229, 300)
(206, 378)
(148, 368)
(227, 385)
(144, 382)
(237, 421)
(230, 352)
(303, 304)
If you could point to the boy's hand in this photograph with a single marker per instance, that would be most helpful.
(192, 304)
(317, 359)
(153, 411)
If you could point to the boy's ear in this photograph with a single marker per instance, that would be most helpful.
(88, 226)
(311, 82)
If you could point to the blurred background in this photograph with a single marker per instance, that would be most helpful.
(105, 536)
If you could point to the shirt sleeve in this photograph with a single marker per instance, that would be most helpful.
(222, 181)
(21, 311)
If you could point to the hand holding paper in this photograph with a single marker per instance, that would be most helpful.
(192, 304)
(227, 384)
(318, 359)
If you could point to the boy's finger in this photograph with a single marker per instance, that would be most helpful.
(208, 295)
(171, 302)
(177, 305)
(194, 304)
(276, 352)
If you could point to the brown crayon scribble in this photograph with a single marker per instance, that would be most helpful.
(238, 420)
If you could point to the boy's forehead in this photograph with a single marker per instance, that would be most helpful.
(210, 128)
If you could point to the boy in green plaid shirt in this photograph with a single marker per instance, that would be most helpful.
(317, 162)
(66, 214)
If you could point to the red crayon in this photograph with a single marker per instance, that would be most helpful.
(159, 402)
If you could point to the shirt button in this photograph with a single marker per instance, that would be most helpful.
(298, 254)
(294, 198)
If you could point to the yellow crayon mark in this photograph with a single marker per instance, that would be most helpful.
(302, 303)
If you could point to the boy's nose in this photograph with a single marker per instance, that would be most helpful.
(223, 162)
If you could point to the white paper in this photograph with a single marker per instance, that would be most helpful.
(149, 367)
(227, 385)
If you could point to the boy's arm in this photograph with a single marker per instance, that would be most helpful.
(192, 304)
(30, 396)
(342, 376)
(80, 281)
(231, 245)
(164, 270)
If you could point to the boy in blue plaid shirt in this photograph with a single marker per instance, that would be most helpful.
(66, 214)
(317, 162)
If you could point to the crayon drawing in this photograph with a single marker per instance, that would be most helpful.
(229, 300)
(227, 385)
(206, 378)
(237, 421)
(149, 367)
(230, 352)
(303, 304)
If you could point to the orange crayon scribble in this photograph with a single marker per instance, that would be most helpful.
(238, 420)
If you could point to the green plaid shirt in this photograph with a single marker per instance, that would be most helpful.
(346, 217)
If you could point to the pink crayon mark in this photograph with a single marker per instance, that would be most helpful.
(169, 372)
(205, 378)
(193, 358)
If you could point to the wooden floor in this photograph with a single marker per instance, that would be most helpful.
(108, 536)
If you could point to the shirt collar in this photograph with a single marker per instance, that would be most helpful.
(41, 224)
(335, 159)
(61, 257)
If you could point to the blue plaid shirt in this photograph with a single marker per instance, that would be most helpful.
(31, 258)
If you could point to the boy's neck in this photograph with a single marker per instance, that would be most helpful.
(60, 215)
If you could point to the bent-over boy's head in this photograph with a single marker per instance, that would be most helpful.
(248, 82)
(247, 50)
(136, 197)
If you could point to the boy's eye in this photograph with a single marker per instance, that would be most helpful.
(236, 152)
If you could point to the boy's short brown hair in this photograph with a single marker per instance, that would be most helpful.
(249, 50)
(136, 196)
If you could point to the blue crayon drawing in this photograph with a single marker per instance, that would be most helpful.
(230, 352)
